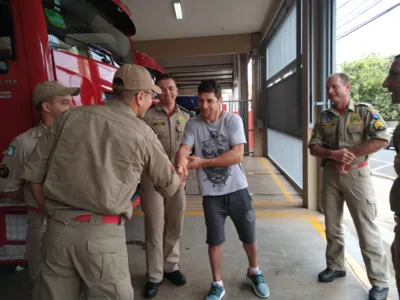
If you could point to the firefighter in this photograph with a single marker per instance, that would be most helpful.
(344, 136)
(84, 169)
(164, 216)
(50, 99)
(392, 83)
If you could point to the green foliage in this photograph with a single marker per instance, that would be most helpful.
(366, 77)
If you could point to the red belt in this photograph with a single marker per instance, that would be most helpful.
(105, 219)
(359, 165)
(36, 210)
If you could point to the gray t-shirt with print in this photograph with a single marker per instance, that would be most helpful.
(212, 140)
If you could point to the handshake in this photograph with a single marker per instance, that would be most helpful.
(182, 172)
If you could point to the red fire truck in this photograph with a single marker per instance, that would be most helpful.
(77, 42)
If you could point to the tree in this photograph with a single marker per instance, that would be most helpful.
(366, 77)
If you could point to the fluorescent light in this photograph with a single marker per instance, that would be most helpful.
(178, 9)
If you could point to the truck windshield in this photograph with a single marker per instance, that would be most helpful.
(77, 27)
(7, 51)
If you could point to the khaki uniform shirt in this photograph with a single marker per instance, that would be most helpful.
(395, 190)
(17, 154)
(91, 158)
(169, 129)
(359, 123)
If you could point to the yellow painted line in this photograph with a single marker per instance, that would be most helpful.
(277, 181)
(259, 173)
(255, 203)
(258, 214)
(351, 263)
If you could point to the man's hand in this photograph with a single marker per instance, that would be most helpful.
(340, 168)
(397, 164)
(343, 156)
(195, 162)
(182, 173)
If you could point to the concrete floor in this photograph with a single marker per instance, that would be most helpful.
(290, 240)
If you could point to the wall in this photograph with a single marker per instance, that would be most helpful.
(286, 152)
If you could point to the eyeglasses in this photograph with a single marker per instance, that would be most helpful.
(153, 95)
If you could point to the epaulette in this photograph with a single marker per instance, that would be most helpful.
(184, 109)
(363, 104)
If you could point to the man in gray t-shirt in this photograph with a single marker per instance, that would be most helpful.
(210, 140)
(218, 140)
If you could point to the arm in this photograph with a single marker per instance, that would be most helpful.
(10, 170)
(35, 168)
(182, 155)
(227, 159)
(376, 131)
(37, 191)
(187, 143)
(160, 169)
(369, 147)
(316, 147)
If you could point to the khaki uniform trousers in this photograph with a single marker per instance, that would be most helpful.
(36, 228)
(86, 260)
(396, 256)
(163, 229)
(357, 190)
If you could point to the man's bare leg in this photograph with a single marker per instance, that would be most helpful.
(251, 251)
(215, 255)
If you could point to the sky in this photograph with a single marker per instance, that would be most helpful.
(380, 36)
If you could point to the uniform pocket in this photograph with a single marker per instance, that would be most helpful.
(365, 172)
(355, 128)
(105, 258)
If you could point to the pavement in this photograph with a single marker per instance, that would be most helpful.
(381, 163)
(291, 243)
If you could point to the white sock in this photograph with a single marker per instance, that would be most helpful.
(253, 270)
(219, 282)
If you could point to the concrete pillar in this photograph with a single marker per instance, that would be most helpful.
(243, 87)
(258, 133)
(318, 52)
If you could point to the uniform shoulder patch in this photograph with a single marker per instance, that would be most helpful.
(374, 114)
(10, 150)
(4, 171)
(379, 125)
(183, 109)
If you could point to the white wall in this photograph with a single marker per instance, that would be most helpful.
(287, 152)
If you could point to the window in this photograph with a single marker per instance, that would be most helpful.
(7, 51)
(88, 28)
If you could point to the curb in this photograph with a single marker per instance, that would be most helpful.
(377, 174)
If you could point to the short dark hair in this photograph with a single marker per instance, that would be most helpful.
(164, 77)
(397, 56)
(210, 86)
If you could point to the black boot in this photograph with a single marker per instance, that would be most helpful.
(151, 289)
(378, 293)
(175, 277)
(329, 275)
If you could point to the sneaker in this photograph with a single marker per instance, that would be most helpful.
(216, 292)
(257, 281)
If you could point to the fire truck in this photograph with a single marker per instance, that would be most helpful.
(77, 42)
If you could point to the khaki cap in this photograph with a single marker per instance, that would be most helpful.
(48, 89)
(134, 77)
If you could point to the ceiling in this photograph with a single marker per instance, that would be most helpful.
(189, 71)
(155, 19)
